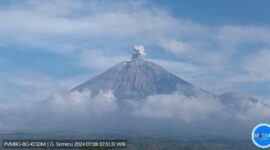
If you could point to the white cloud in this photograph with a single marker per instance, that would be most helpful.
(233, 35)
(46, 28)
(28, 86)
(56, 112)
(75, 110)
(72, 26)
(82, 102)
(201, 108)
(176, 46)
(257, 65)
(177, 106)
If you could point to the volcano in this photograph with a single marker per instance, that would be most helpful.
(137, 79)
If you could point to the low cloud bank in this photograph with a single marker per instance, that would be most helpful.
(179, 106)
(159, 113)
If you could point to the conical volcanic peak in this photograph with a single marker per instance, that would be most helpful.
(136, 79)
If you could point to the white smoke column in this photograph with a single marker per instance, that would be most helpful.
(139, 49)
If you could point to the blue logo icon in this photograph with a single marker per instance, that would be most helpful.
(261, 135)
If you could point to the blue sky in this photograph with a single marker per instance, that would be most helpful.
(220, 12)
(46, 46)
